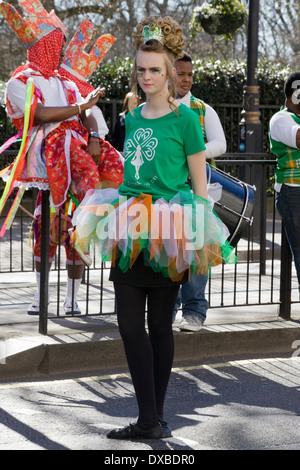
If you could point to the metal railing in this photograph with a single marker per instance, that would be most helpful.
(263, 274)
(229, 114)
(264, 265)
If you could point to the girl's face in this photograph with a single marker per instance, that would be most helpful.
(151, 72)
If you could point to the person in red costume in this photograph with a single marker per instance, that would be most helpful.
(78, 66)
(64, 127)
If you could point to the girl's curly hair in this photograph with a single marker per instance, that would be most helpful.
(173, 38)
(171, 44)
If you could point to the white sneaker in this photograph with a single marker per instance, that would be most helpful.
(84, 256)
(190, 323)
(34, 307)
(72, 309)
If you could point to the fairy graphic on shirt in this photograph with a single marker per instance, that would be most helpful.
(141, 147)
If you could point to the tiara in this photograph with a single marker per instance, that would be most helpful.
(151, 32)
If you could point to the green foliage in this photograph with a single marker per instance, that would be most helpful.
(219, 81)
(115, 77)
(216, 81)
(223, 82)
(271, 79)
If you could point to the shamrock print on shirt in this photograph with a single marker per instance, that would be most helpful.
(141, 147)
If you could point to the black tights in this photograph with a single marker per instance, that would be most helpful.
(149, 357)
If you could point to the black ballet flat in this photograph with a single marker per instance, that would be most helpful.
(134, 432)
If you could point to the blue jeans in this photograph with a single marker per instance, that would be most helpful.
(288, 206)
(192, 297)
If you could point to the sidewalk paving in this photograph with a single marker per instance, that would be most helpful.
(90, 343)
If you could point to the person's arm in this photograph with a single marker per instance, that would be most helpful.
(46, 114)
(89, 121)
(284, 129)
(298, 138)
(197, 171)
(216, 141)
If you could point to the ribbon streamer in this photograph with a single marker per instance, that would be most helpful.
(12, 212)
(10, 141)
(30, 106)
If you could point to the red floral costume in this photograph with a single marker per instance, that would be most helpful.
(68, 164)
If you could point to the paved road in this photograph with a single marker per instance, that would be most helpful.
(234, 405)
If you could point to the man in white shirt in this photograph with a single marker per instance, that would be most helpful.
(192, 293)
(284, 135)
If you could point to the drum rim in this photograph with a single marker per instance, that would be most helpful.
(242, 215)
(241, 183)
(247, 188)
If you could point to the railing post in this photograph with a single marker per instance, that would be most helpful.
(263, 220)
(285, 277)
(43, 318)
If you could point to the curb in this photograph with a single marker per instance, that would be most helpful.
(235, 344)
(98, 352)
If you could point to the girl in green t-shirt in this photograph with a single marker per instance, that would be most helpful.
(154, 230)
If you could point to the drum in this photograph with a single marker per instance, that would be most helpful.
(236, 204)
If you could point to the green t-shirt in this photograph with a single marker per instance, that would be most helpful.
(156, 152)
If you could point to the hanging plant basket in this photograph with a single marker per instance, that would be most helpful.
(216, 24)
(218, 17)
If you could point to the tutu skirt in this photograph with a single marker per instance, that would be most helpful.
(174, 236)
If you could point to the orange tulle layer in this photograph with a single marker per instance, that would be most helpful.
(177, 235)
